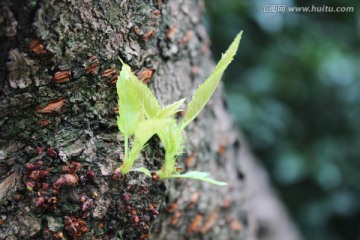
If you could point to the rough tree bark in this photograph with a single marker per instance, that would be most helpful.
(59, 141)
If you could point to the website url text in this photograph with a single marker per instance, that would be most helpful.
(278, 8)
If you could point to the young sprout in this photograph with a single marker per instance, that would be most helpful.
(141, 116)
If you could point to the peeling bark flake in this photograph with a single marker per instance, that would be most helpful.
(194, 226)
(210, 222)
(62, 76)
(37, 47)
(236, 226)
(175, 218)
(194, 199)
(52, 107)
(145, 75)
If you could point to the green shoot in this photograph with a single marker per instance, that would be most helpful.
(205, 90)
(141, 116)
(203, 176)
(173, 141)
(129, 106)
(170, 110)
(145, 130)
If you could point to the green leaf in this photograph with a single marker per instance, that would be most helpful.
(205, 90)
(148, 128)
(171, 109)
(228, 56)
(142, 92)
(202, 176)
(171, 136)
(148, 100)
(128, 103)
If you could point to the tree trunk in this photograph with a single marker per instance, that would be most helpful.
(59, 140)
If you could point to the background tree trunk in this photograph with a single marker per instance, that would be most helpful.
(59, 140)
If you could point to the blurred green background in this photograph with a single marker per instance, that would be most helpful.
(294, 89)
